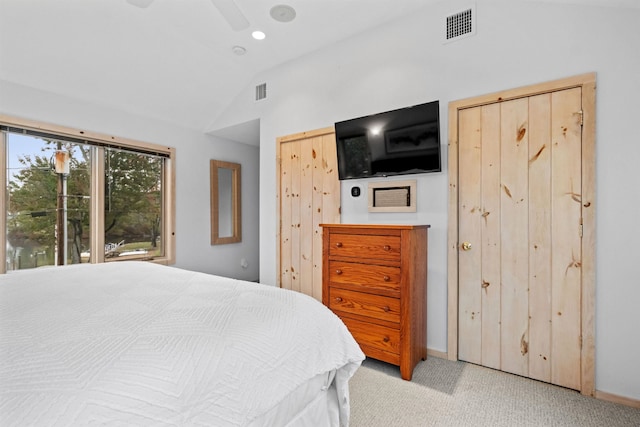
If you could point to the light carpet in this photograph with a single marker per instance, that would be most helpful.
(449, 393)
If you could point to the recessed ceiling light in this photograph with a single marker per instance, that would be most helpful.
(283, 13)
(258, 35)
(239, 50)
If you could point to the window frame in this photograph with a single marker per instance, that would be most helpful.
(98, 142)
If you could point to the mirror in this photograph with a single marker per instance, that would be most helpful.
(226, 211)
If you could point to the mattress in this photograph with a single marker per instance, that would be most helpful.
(134, 343)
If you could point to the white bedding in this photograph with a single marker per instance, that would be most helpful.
(133, 343)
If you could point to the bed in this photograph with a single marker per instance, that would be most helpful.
(139, 344)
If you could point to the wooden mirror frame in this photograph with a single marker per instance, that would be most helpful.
(236, 209)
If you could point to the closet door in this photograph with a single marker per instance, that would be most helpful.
(520, 230)
(309, 195)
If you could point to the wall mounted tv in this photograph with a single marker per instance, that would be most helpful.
(398, 142)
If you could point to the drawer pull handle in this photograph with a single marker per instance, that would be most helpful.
(338, 299)
(386, 308)
(385, 339)
(338, 271)
(386, 278)
(386, 247)
(339, 245)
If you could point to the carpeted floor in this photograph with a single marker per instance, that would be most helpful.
(446, 393)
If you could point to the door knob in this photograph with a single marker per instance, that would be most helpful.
(466, 246)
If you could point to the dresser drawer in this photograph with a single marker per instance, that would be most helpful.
(375, 336)
(365, 246)
(372, 277)
(363, 304)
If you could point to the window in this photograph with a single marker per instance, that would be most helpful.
(47, 212)
(76, 198)
(132, 204)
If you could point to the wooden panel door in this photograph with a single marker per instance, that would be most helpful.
(309, 194)
(520, 228)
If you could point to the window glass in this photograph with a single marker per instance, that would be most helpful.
(48, 199)
(133, 204)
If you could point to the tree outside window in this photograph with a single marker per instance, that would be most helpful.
(48, 207)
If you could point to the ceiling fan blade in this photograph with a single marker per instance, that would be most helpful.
(140, 3)
(231, 13)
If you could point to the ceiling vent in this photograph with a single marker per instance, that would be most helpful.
(261, 91)
(461, 24)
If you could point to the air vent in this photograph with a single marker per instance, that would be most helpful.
(261, 91)
(460, 25)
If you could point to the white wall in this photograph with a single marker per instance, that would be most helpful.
(517, 44)
(193, 151)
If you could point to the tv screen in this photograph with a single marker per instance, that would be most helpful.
(398, 142)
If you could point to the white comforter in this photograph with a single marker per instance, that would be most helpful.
(133, 343)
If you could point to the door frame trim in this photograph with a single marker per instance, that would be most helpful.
(588, 84)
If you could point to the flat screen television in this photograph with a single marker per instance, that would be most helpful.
(397, 142)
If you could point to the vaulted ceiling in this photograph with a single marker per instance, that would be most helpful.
(173, 60)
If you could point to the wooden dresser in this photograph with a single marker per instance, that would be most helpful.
(375, 278)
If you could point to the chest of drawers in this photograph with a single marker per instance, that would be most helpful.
(374, 278)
